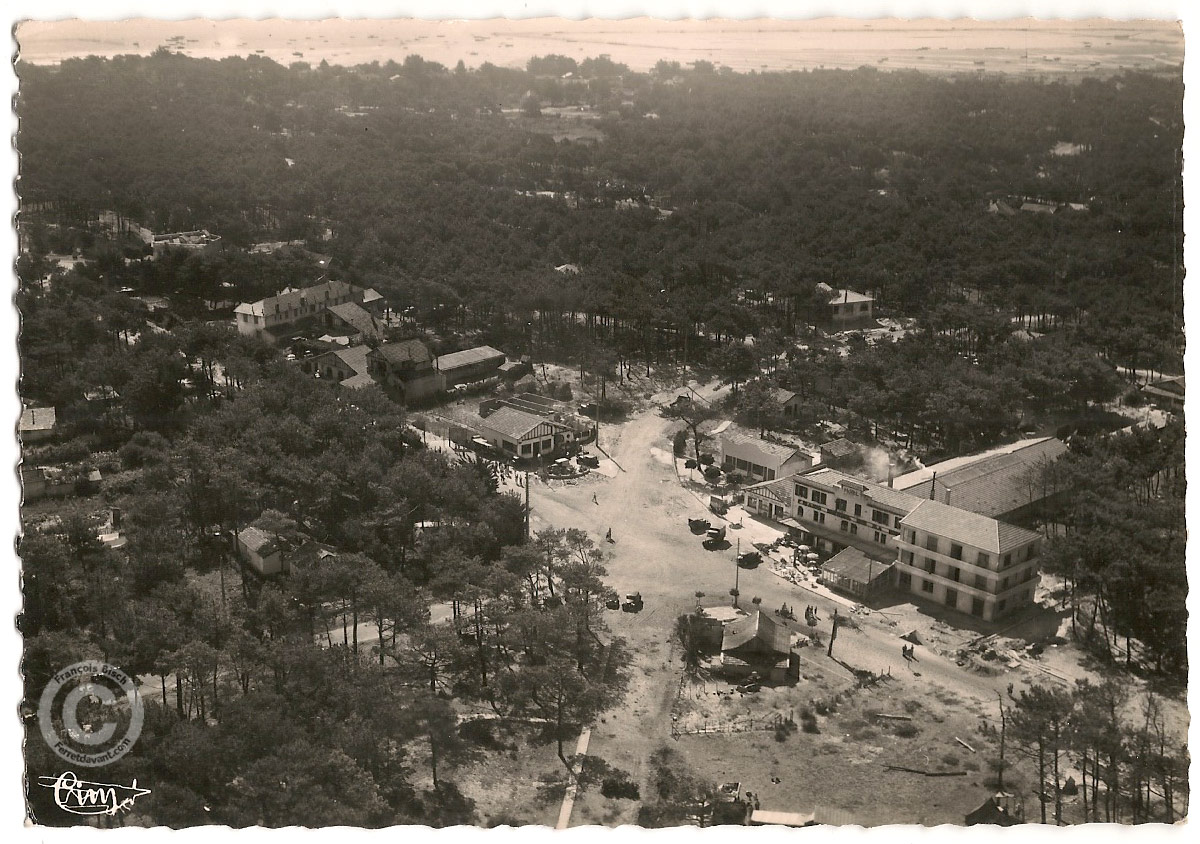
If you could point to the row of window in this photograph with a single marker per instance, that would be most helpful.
(982, 559)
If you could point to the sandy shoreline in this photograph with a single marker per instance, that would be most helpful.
(1027, 47)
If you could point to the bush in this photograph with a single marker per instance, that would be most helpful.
(809, 724)
(679, 443)
(620, 787)
(706, 459)
(712, 473)
(1133, 398)
(733, 478)
(690, 463)
(145, 448)
(565, 392)
(906, 730)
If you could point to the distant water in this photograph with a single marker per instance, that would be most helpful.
(1024, 46)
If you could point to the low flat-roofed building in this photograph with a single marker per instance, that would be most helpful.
(846, 306)
(854, 572)
(1007, 483)
(470, 364)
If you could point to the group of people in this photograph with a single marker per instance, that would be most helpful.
(908, 652)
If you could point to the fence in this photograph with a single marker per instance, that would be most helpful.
(743, 725)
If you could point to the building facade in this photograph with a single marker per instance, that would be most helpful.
(267, 316)
(524, 435)
(759, 459)
(405, 371)
(966, 561)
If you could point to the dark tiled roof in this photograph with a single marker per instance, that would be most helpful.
(405, 351)
(357, 317)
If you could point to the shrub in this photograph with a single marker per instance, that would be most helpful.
(733, 478)
(712, 473)
(809, 724)
(906, 730)
(565, 392)
(620, 787)
(1134, 398)
(781, 733)
(690, 463)
(145, 448)
(706, 459)
(679, 443)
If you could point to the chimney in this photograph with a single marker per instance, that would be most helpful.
(933, 487)
(889, 474)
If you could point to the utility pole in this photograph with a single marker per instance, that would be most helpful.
(833, 632)
(527, 505)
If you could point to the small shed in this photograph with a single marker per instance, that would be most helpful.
(852, 571)
(995, 810)
(758, 644)
(839, 452)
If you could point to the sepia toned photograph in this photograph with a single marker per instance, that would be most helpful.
(603, 422)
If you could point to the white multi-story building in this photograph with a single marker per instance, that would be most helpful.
(266, 317)
(968, 562)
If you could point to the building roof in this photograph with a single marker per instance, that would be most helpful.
(761, 627)
(1173, 385)
(782, 396)
(878, 493)
(852, 564)
(764, 817)
(516, 424)
(355, 357)
(778, 454)
(405, 351)
(256, 540)
(1039, 207)
(467, 357)
(357, 317)
(966, 527)
(355, 382)
(997, 482)
(38, 419)
(290, 298)
(843, 295)
(841, 447)
(371, 295)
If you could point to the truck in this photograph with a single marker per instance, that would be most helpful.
(714, 537)
(699, 526)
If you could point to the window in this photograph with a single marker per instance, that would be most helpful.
(881, 538)
(910, 536)
(819, 497)
(906, 557)
(770, 474)
(1003, 584)
(845, 525)
(930, 565)
(984, 560)
(1007, 560)
(839, 504)
(955, 550)
(897, 525)
(858, 509)
(818, 517)
(854, 529)
(981, 582)
(1000, 606)
(835, 308)
(801, 491)
(527, 448)
(905, 580)
(931, 543)
(879, 517)
(955, 574)
(952, 598)
(927, 586)
(977, 607)
(864, 307)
